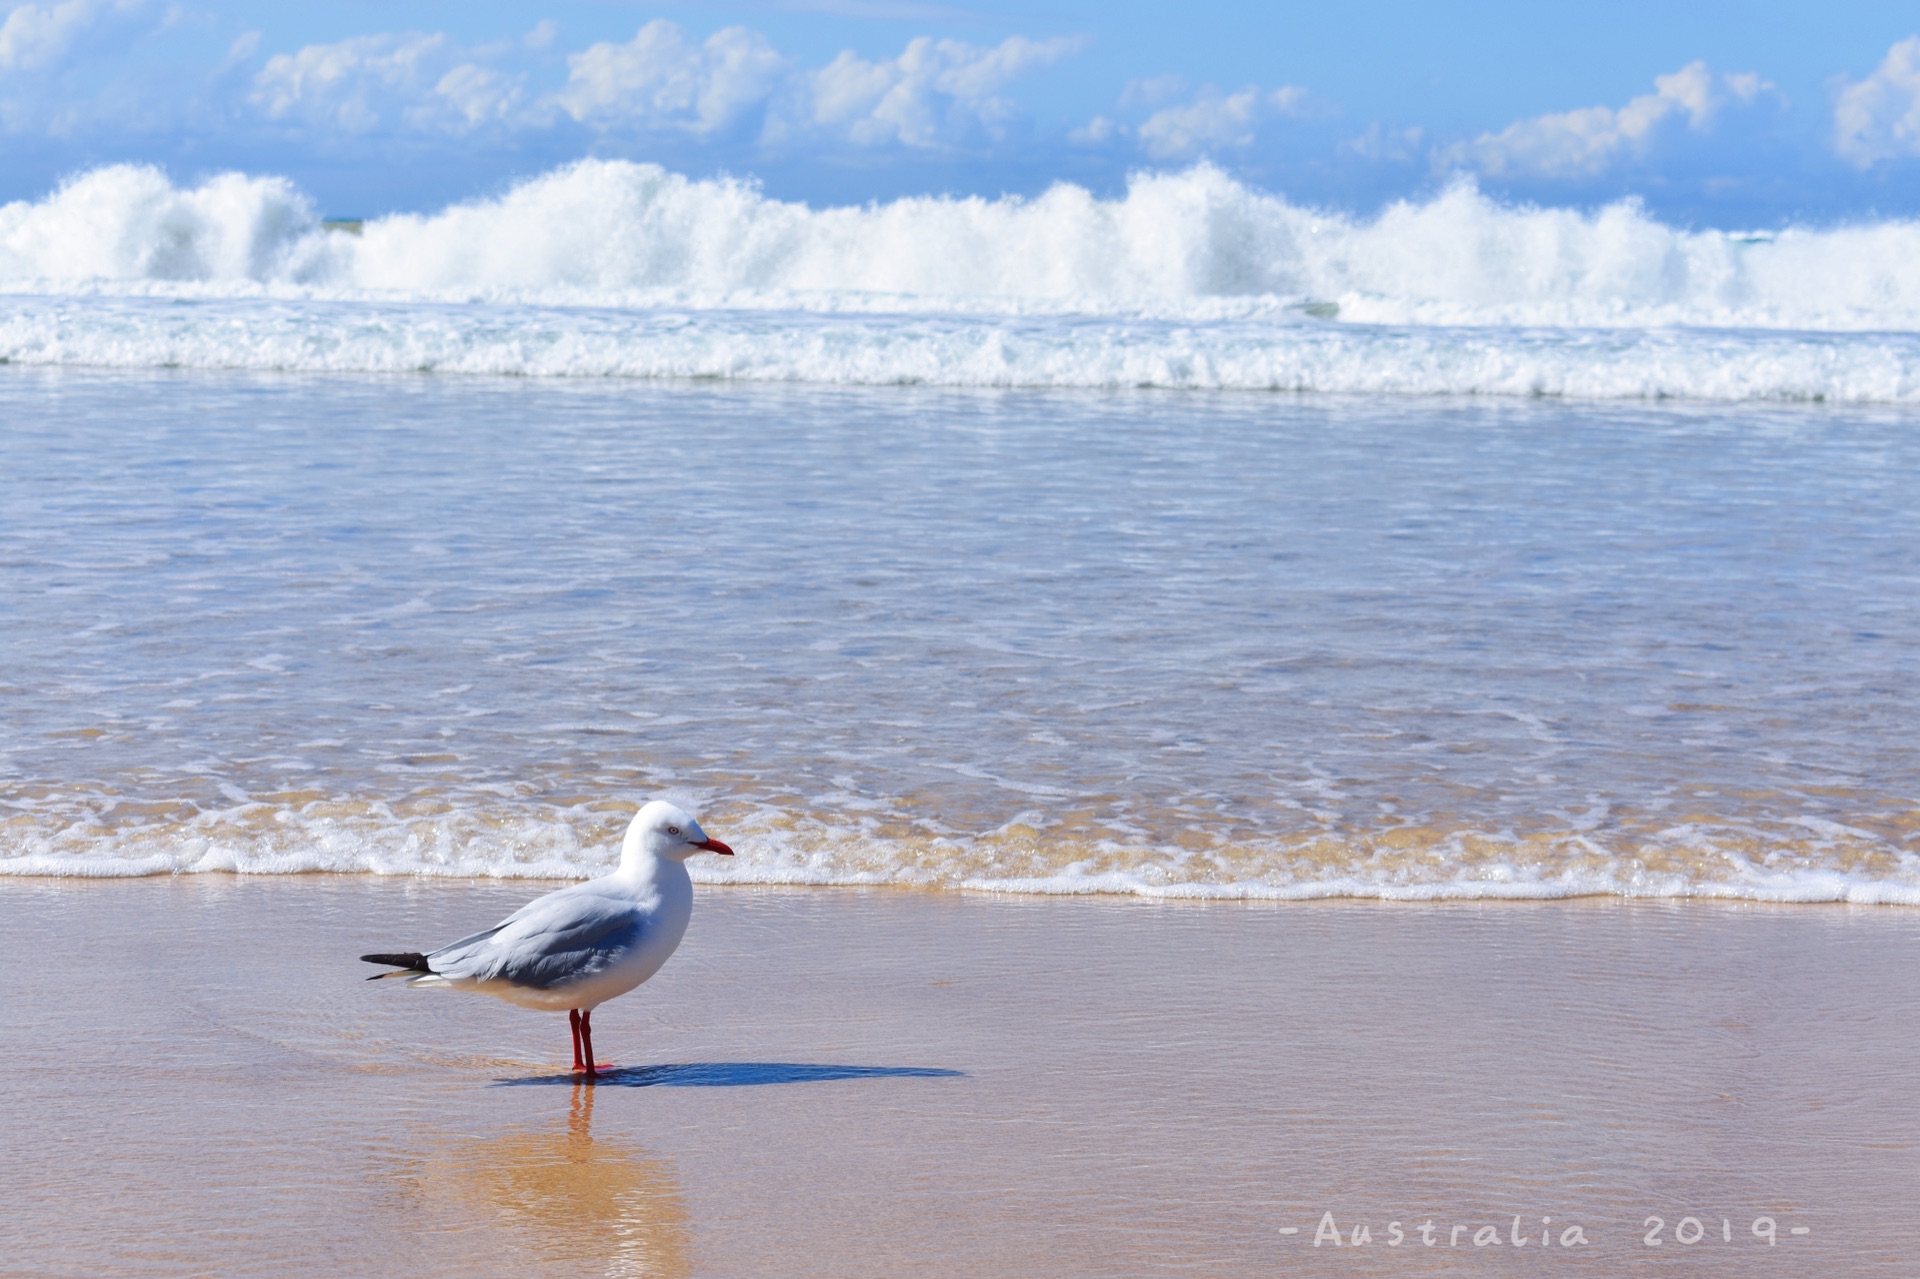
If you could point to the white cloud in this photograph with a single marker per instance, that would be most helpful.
(43, 45)
(36, 37)
(1215, 122)
(244, 46)
(420, 81)
(662, 80)
(1207, 122)
(1097, 132)
(1388, 146)
(479, 95)
(1586, 142)
(350, 84)
(1151, 91)
(1879, 117)
(545, 34)
(936, 92)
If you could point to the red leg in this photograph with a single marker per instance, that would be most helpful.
(586, 1039)
(573, 1020)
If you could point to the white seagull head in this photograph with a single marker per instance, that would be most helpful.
(667, 831)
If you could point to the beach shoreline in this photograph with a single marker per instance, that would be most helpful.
(863, 1081)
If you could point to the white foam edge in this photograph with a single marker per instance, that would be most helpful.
(1806, 886)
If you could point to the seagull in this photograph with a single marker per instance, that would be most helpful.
(582, 945)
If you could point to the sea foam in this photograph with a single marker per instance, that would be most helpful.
(777, 847)
(1189, 245)
(1188, 280)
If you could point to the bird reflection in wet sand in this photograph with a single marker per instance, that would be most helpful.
(572, 1204)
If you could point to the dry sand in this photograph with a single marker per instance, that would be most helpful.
(842, 1083)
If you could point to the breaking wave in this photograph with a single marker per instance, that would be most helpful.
(1191, 245)
(1188, 280)
(1796, 861)
(1185, 281)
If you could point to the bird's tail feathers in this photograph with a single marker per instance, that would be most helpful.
(409, 963)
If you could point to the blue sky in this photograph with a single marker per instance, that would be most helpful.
(1756, 113)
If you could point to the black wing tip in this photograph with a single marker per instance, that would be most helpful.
(411, 960)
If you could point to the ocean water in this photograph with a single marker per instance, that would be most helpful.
(1149, 642)
(1185, 543)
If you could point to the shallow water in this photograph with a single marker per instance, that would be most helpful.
(1139, 642)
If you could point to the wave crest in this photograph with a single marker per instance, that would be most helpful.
(1192, 245)
(128, 223)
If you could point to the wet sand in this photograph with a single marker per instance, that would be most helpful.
(869, 1083)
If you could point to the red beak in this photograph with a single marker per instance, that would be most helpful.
(715, 846)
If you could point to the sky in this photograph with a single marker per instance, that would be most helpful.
(1758, 114)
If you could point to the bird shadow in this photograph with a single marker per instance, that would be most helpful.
(734, 1074)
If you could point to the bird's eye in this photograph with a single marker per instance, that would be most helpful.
(673, 830)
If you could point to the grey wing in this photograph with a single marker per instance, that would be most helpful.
(456, 947)
(558, 939)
